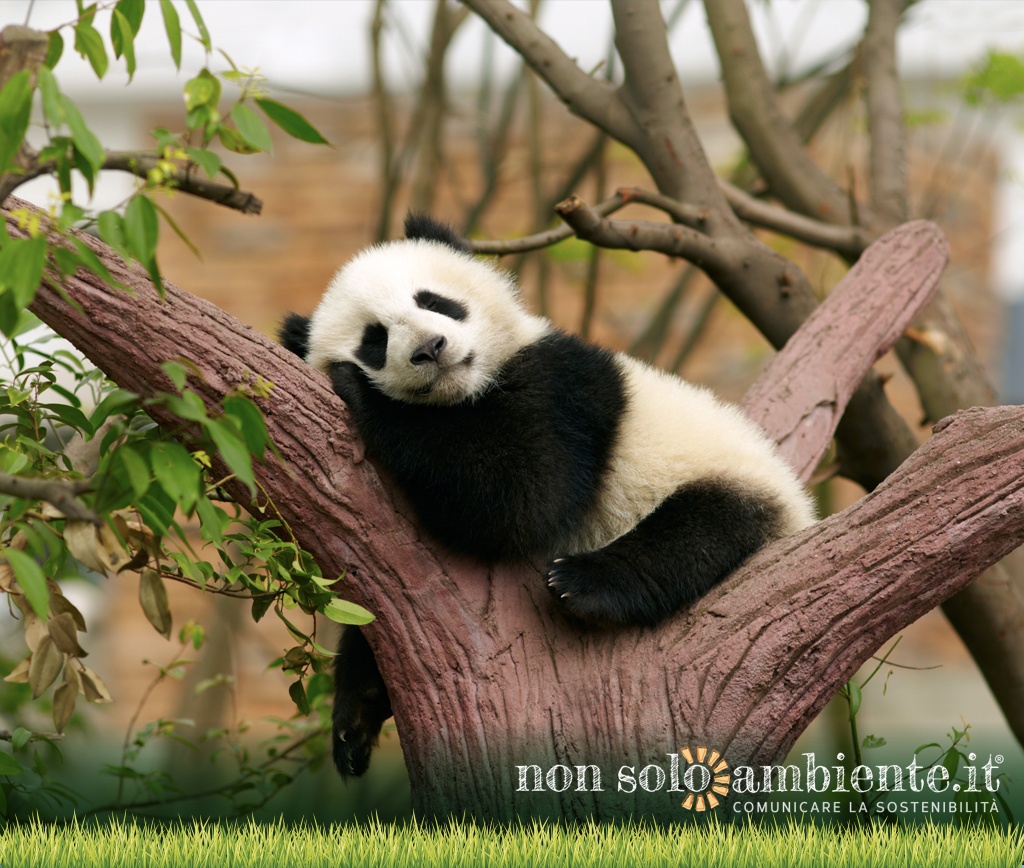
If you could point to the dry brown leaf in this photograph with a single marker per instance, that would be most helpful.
(65, 634)
(19, 674)
(64, 698)
(80, 537)
(93, 687)
(153, 598)
(46, 664)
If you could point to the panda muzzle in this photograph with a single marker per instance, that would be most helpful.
(429, 351)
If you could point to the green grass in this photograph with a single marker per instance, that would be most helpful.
(248, 845)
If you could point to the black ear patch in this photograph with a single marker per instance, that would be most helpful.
(294, 334)
(420, 226)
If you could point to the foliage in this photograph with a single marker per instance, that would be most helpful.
(90, 486)
(124, 843)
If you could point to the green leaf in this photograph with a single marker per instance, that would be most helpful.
(291, 122)
(20, 737)
(89, 44)
(123, 39)
(54, 50)
(172, 24)
(233, 141)
(22, 262)
(32, 581)
(176, 472)
(10, 765)
(344, 612)
(233, 451)
(135, 468)
(951, 762)
(250, 127)
(203, 90)
(114, 402)
(133, 11)
(85, 141)
(53, 108)
(204, 34)
(260, 605)
(15, 108)
(298, 694)
(141, 229)
(251, 423)
(111, 228)
(1000, 78)
(208, 161)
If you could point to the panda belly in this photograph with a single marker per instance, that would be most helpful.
(673, 434)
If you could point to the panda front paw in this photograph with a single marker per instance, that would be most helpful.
(586, 589)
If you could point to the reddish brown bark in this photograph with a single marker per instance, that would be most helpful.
(484, 673)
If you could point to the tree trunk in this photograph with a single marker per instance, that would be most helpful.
(484, 673)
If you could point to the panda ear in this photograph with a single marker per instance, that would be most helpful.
(421, 226)
(294, 334)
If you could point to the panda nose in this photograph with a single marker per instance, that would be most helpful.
(429, 351)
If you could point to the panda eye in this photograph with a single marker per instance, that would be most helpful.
(373, 348)
(427, 300)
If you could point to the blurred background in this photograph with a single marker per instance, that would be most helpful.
(424, 108)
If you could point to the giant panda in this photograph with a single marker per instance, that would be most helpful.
(514, 440)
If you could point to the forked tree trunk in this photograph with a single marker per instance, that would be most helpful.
(484, 673)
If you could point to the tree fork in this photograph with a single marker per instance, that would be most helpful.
(485, 673)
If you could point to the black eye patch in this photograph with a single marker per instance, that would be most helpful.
(373, 349)
(427, 300)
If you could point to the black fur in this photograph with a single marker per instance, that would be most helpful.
(294, 334)
(429, 229)
(373, 348)
(361, 703)
(512, 474)
(427, 300)
(673, 557)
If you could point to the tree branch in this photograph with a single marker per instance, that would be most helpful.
(671, 238)
(826, 359)
(140, 163)
(848, 241)
(61, 493)
(774, 145)
(591, 98)
(885, 112)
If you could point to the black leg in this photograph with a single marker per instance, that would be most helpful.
(673, 557)
(361, 703)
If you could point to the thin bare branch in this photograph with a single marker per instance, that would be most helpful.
(774, 145)
(849, 241)
(592, 99)
(61, 493)
(670, 238)
(140, 163)
(544, 239)
(885, 112)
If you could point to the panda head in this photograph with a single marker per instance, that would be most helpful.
(426, 321)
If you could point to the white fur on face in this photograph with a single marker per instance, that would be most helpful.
(379, 286)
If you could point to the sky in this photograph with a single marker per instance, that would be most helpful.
(321, 45)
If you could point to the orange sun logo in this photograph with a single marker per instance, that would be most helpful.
(705, 776)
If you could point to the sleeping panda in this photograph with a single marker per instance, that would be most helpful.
(515, 441)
